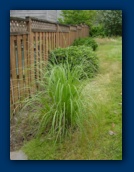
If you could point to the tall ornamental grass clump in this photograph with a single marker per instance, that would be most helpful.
(57, 107)
(77, 55)
(90, 42)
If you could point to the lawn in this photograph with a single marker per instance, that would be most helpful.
(101, 136)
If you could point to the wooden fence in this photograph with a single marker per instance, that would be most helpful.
(31, 40)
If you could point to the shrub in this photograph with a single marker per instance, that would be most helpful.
(76, 55)
(97, 31)
(90, 42)
(112, 21)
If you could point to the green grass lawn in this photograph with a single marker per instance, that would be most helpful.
(101, 136)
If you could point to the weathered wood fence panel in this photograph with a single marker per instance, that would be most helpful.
(31, 40)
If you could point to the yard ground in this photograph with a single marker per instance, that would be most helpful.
(101, 138)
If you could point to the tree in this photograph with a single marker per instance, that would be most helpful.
(78, 17)
(112, 21)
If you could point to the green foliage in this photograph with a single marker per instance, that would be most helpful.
(38, 149)
(97, 31)
(102, 22)
(76, 55)
(78, 17)
(112, 21)
(103, 113)
(90, 42)
(58, 105)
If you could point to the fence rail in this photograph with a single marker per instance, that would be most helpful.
(31, 40)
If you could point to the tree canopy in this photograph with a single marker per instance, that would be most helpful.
(111, 21)
(78, 17)
(104, 22)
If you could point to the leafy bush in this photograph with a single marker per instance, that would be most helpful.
(90, 42)
(111, 21)
(97, 31)
(76, 55)
(58, 106)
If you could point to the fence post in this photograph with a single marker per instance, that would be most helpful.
(88, 30)
(77, 31)
(30, 60)
(69, 35)
(57, 36)
(68, 42)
